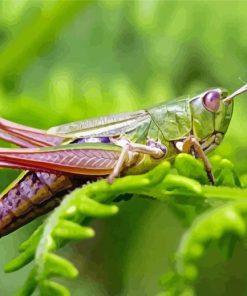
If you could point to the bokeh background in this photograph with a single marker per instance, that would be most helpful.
(62, 61)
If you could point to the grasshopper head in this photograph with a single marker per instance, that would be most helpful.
(212, 111)
(211, 114)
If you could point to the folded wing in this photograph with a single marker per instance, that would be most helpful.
(25, 136)
(104, 126)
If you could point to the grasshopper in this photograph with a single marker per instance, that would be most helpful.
(70, 155)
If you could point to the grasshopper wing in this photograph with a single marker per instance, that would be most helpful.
(25, 136)
(105, 126)
(82, 159)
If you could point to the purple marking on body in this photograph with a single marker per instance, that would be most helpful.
(93, 140)
(30, 187)
(47, 178)
(19, 199)
(3, 210)
(13, 199)
(155, 144)
(21, 196)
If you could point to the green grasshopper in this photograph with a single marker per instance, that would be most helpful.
(70, 155)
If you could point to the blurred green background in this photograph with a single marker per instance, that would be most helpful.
(62, 61)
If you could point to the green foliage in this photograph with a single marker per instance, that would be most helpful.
(45, 24)
(65, 223)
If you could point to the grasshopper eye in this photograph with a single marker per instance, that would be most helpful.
(211, 100)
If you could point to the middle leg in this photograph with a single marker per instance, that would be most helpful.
(153, 148)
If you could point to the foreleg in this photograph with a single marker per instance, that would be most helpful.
(191, 142)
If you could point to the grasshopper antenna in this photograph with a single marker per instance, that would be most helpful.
(238, 92)
(244, 82)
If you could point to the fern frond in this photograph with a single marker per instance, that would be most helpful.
(224, 221)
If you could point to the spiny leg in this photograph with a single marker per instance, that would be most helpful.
(191, 142)
(157, 151)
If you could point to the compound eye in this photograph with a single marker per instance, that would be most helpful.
(211, 100)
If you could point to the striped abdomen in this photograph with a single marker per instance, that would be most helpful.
(35, 194)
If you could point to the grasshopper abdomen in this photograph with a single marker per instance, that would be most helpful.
(30, 197)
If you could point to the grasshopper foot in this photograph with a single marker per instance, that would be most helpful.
(110, 179)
